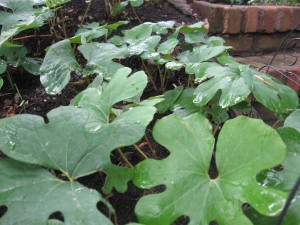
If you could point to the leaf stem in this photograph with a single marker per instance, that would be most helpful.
(124, 158)
(149, 75)
(216, 129)
(140, 151)
(86, 11)
(151, 149)
(138, 18)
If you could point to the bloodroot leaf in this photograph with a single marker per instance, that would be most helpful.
(58, 64)
(31, 194)
(64, 143)
(245, 147)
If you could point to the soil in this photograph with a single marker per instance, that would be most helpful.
(26, 94)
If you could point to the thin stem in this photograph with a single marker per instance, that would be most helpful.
(10, 80)
(86, 11)
(138, 18)
(216, 129)
(161, 78)
(124, 158)
(276, 123)
(35, 36)
(151, 149)
(149, 75)
(140, 151)
(63, 22)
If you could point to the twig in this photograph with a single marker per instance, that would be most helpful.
(36, 35)
(140, 151)
(86, 11)
(124, 158)
(151, 149)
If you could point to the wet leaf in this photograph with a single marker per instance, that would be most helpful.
(64, 144)
(232, 84)
(293, 120)
(274, 95)
(167, 47)
(121, 87)
(58, 64)
(189, 189)
(170, 98)
(37, 194)
(100, 56)
(283, 180)
(21, 11)
(200, 54)
(1, 82)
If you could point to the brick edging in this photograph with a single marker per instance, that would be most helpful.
(237, 19)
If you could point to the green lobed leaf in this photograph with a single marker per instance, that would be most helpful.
(274, 95)
(57, 66)
(100, 56)
(283, 180)
(293, 120)
(64, 144)
(118, 7)
(161, 27)
(31, 194)
(133, 35)
(189, 189)
(231, 83)
(200, 54)
(167, 47)
(21, 10)
(170, 98)
(121, 87)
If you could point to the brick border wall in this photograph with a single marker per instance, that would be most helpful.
(235, 19)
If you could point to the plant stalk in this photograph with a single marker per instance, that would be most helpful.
(140, 151)
(124, 158)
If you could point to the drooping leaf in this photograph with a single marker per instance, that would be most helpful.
(274, 95)
(161, 27)
(21, 10)
(245, 147)
(100, 56)
(136, 3)
(64, 144)
(170, 98)
(21, 15)
(57, 66)
(118, 7)
(231, 83)
(293, 120)
(168, 46)
(31, 194)
(200, 54)
(133, 35)
(283, 180)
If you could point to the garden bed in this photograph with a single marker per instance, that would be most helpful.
(119, 124)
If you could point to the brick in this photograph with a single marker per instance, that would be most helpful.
(267, 42)
(284, 18)
(241, 43)
(295, 18)
(294, 85)
(269, 19)
(251, 19)
(213, 13)
(233, 19)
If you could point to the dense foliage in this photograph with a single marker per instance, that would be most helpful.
(47, 156)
